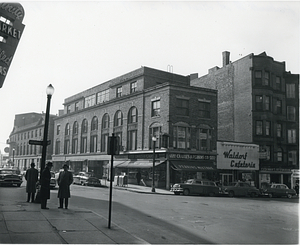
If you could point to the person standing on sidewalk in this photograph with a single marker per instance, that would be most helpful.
(65, 179)
(45, 185)
(31, 177)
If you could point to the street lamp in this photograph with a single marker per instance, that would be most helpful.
(153, 170)
(13, 156)
(49, 92)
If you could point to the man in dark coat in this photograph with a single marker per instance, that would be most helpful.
(31, 177)
(45, 185)
(65, 179)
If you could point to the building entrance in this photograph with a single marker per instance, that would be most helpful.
(227, 178)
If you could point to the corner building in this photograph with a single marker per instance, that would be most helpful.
(258, 102)
(136, 107)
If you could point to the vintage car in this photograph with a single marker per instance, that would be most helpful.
(52, 180)
(86, 178)
(196, 186)
(240, 189)
(11, 177)
(277, 190)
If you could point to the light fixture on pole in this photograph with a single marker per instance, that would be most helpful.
(49, 92)
(153, 168)
(13, 156)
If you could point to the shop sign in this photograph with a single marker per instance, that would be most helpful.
(11, 29)
(237, 156)
(191, 156)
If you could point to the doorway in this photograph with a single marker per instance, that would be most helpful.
(227, 178)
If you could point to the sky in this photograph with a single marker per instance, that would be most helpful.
(76, 45)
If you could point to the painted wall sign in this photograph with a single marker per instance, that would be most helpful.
(191, 156)
(237, 156)
(11, 30)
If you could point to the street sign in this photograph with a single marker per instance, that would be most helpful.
(38, 142)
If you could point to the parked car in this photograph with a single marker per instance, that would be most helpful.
(240, 189)
(86, 178)
(52, 180)
(10, 176)
(196, 186)
(277, 190)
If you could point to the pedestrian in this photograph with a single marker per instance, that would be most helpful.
(297, 188)
(31, 177)
(65, 179)
(138, 177)
(45, 185)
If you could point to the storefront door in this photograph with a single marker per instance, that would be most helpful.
(226, 179)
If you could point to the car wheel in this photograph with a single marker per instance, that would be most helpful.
(18, 185)
(176, 193)
(211, 194)
(253, 194)
(289, 196)
(186, 192)
(231, 193)
(270, 195)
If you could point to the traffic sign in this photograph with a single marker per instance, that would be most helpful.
(38, 142)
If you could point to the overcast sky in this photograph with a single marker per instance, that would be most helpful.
(75, 45)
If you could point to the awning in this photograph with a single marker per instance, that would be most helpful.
(193, 165)
(139, 164)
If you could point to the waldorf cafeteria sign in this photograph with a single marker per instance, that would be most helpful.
(237, 156)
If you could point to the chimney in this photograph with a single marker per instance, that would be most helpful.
(226, 55)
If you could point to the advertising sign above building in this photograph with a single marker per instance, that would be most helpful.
(11, 29)
(237, 156)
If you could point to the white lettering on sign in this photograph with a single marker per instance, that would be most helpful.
(4, 58)
(9, 30)
(16, 11)
(3, 70)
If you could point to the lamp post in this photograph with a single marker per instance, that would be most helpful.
(13, 156)
(49, 92)
(153, 170)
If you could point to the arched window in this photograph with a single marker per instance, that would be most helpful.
(75, 128)
(84, 126)
(94, 134)
(94, 124)
(132, 115)
(105, 121)
(67, 129)
(104, 132)
(83, 142)
(118, 120)
(75, 138)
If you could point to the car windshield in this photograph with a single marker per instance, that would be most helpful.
(8, 171)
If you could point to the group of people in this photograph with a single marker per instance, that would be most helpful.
(65, 179)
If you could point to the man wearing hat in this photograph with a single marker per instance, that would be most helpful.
(31, 177)
(65, 179)
(45, 185)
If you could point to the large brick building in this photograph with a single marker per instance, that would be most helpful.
(29, 126)
(135, 107)
(258, 102)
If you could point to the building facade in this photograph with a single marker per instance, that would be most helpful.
(136, 107)
(29, 126)
(258, 102)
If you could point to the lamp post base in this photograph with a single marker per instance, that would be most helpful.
(153, 189)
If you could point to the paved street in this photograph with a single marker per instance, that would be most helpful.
(166, 218)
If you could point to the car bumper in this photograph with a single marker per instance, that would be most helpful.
(177, 189)
(11, 182)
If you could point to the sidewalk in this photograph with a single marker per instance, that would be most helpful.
(27, 223)
(141, 189)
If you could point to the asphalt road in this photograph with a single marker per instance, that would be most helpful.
(196, 219)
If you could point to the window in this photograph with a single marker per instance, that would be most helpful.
(267, 79)
(132, 140)
(74, 145)
(57, 130)
(67, 147)
(103, 96)
(258, 77)
(75, 128)
(119, 135)
(279, 106)
(133, 87)
(279, 155)
(76, 106)
(278, 83)
(181, 137)
(132, 115)
(105, 121)
(155, 131)
(291, 113)
(90, 101)
(68, 109)
(292, 155)
(67, 129)
(279, 130)
(204, 108)
(267, 103)
(258, 102)
(94, 124)
(57, 147)
(84, 126)
(83, 146)
(155, 107)
(290, 91)
(119, 92)
(291, 136)
(258, 128)
(203, 139)
(182, 107)
(118, 121)
(268, 128)
(94, 143)
(104, 142)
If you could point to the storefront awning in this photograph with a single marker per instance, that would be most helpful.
(193, 166)
(138, 164)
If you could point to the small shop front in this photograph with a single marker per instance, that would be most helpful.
(278, 175)
(238, 162)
